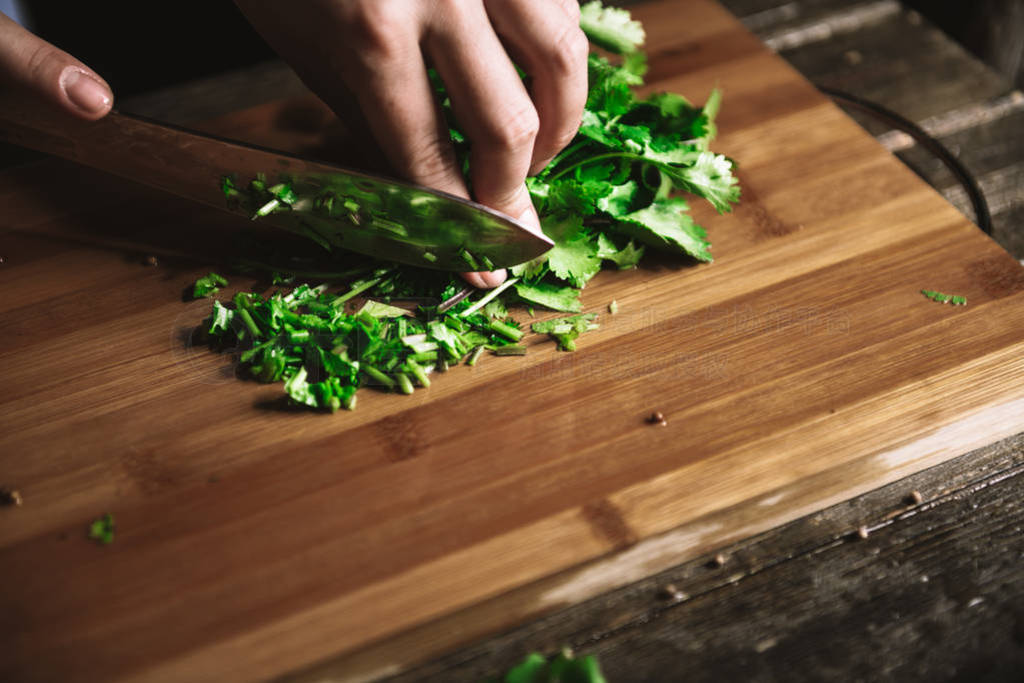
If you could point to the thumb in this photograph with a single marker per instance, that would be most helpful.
(34, 65)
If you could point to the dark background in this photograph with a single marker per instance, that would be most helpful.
(991, 29)
(143, 46)
(140, 47)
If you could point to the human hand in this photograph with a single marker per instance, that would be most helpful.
(378, 50)
(34, 65)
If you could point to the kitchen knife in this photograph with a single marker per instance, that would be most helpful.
(385, 218)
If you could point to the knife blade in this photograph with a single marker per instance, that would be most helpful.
(383, 217)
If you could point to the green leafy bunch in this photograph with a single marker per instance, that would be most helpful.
(614, 190)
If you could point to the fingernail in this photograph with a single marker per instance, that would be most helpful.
(84, 91)
(474, 279)
(493, 278)
(530, 219)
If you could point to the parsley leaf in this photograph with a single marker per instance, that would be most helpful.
(664, 224)
(611, 28)
(208, 285)
(553, 296)
(576, 260)
(625, 258)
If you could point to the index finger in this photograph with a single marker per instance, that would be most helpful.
(546, 39)
(491, 104)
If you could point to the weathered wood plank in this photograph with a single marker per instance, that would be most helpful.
(934, 592)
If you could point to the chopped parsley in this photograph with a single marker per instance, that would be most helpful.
(325, 353)
(102, 529)
(566, 330)
(208, 285)
(941, 298)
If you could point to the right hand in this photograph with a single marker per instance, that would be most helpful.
(378, 51)
(33, 65)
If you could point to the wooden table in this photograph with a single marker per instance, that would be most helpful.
(935, 591)
(936, 588)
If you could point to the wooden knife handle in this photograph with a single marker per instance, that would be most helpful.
(180, 161)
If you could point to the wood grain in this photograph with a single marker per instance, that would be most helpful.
(801, 368)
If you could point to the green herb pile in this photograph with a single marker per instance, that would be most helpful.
(324, 353)
(612, 192)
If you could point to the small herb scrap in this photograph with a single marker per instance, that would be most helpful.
(208, 285)
(941, 298)
(565, 331)
(611, 28)
(102, 529)
(562, 668)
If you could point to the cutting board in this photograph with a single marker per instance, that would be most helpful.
(801, 368)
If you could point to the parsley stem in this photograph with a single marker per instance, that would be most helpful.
(475, 356)
(568, 152)
(358, 288)
(266, 208)
(404, 383)
(250, 324)
(418, 372)
(506, 330)
(378, 376)
(489, 297)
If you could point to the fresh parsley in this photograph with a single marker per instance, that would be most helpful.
(613, 192)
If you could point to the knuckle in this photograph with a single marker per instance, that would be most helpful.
(511, 200)
(572, 7)
(42, 61)
(518, 130)
(567, 55)
(431, 163)
(376, 29)
(449, 8)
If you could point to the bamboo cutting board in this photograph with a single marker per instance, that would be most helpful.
(801, 368)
